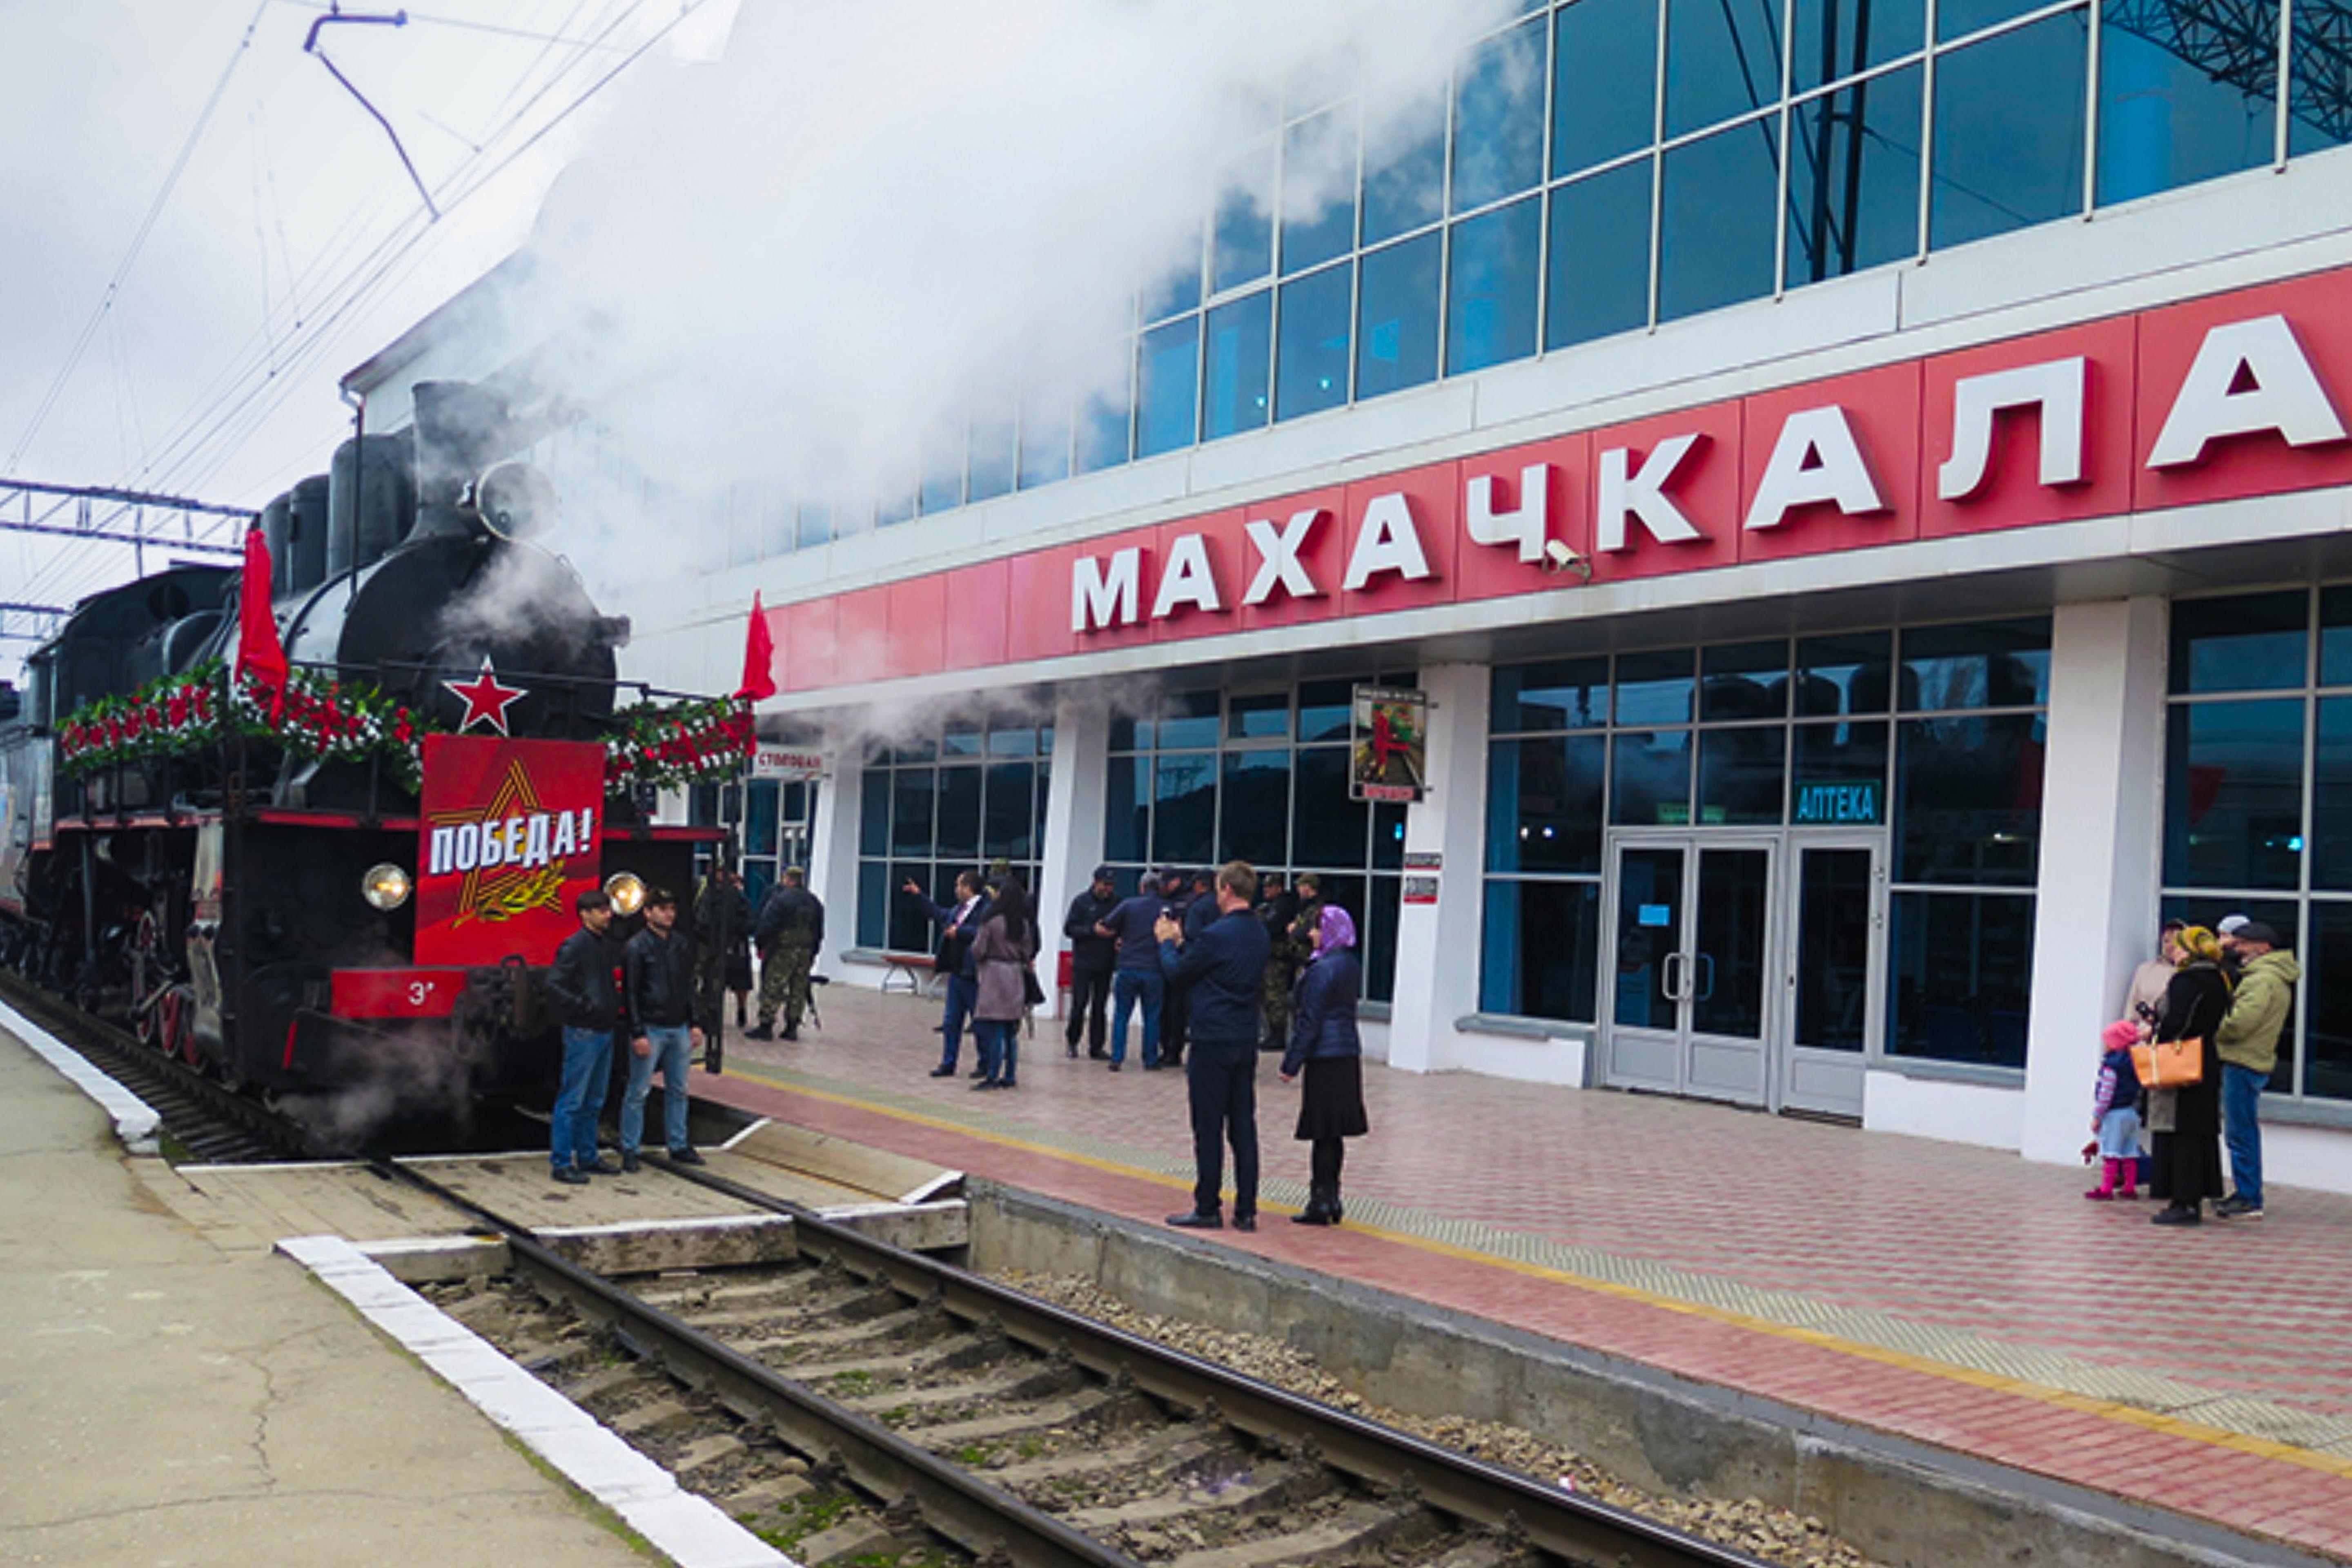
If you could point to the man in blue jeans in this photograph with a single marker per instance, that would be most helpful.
(1135, 976)
(588, 1004)
(2247, 1043)
(658, 993)
(1223, 968)
(959, 923)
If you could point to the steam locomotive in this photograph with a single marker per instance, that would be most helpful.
(355, 877)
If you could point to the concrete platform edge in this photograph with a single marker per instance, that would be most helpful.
(136, 1123)
(1678, 1429)
(685, 1528)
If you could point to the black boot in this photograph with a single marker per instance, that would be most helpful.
(1337, 1214)
(1319, 1207)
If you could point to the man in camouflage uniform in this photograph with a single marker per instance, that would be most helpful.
(791, 934)
(1293, 945)
(1277, 909)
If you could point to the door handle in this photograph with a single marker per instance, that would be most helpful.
(1707, 980)
(1666, 976)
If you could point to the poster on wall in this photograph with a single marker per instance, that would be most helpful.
(506, 841)
(1391, 730)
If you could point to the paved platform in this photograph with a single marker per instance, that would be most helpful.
(170, 1402)
(1956, 1296)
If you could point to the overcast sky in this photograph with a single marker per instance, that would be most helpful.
(292, 244)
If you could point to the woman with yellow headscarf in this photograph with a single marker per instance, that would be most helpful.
(2187, 1121)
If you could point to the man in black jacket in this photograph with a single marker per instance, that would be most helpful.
(588, 1004)
(1093, 956)
(657, 972)
(1221, 969)
(959, 923)
(791, 935)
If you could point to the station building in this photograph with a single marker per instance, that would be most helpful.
(1862, 484)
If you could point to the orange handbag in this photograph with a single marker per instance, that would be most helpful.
(2169, 1064)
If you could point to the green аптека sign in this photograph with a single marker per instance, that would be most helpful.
(1846, 803)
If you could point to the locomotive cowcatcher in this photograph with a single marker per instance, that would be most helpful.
(344, 862)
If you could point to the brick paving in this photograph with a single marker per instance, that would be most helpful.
(1954, 1295)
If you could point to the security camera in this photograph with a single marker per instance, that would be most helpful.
(1558, 557)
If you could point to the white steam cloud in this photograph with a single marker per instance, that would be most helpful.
(802, 265)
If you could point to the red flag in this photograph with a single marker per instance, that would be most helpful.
(759, 657)
(260, 654)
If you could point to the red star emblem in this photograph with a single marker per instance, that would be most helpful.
(486, 701)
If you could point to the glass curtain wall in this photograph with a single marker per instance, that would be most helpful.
(1946, 723)
(1596, 166)
(949, 800)
(1261, 776)
(2258, 799)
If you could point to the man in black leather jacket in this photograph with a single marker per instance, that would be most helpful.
(659, 998)
(588, 1004)
(1093, 956)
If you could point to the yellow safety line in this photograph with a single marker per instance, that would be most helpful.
(2154, 1421)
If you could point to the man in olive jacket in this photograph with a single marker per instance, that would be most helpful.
(2247, 1043)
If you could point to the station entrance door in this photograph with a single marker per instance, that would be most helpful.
(1744, 966)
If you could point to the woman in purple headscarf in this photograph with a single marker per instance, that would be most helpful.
(1323, 1043)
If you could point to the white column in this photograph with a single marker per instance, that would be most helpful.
(2102, 842)
(1075, 796)
(1437, 944)
(832, 853)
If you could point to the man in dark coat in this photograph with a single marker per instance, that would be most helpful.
(722, 939)
(658, 998)
(1278, 907)
(1221, 969)
(588, 1004)
(1093, 956)
(959, 923)
(791, 935)
(1195, 903)
(1134, 981)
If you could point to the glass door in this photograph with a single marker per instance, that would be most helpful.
(1837, 917)
(1691, 1004)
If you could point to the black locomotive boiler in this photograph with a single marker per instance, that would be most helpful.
(237, 871)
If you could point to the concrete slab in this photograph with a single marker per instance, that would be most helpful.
(169, 1401)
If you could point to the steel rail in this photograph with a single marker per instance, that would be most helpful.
(1560, 1523)
(982, 1519)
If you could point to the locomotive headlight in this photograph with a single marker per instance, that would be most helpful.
(386, 887)
(626, 892)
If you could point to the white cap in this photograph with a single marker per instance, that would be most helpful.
(2232, 924)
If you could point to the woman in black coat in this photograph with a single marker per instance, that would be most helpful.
(2187, 1121)
(1324, 1043)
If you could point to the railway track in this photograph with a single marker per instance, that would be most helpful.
(214, 1123)
(862, 1403)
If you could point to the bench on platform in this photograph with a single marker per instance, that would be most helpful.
(916, 969)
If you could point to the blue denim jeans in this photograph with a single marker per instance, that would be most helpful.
(2241, 1112)
(999, 1047)
(963, 993)
(1127, 987)
(671, 1049)
(587, 1065)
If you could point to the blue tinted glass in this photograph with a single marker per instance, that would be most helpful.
(1539, 957)
(2008, 132)
(2327, 1037)
(911, 794)
(1239, 351)
(1255, 821)
(1961, 967)
(2316, 107)
(1958, 19)
(1604, 81)
(1178, 288)
(1723, 58)
(1742, 774)
(1405, 172)
(1968, 799)
(995, 454)
(1311, 369)
(1327, 829)
(1987, 664)
(897, 507)
(1744, 680)
(1187, 719)
(1044, 443)
(1854, 178)
(1650, 778)
(2331, 804)
(1126, 808)
(1569, 694)
(2335, 635)
(2254, 643)
(1854, 673)
(2233, 795)
(1490, 307)
(1839, 39)
(1240, 238)
(1498, 118)
(874, 812)
(1599, 270)
(1543, 804)
(1714, 234)
(779, 522)
(815, 525)
(1326, 709)
(1655, 688)
(1184, 816)
(1318, 189)
(943, 475)
(1106, 423)
(1010, 827)
(1396, 332)
(1168, 387)
(959, 829)
(2166, 121)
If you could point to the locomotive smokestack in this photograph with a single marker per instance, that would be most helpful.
(461, 430)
